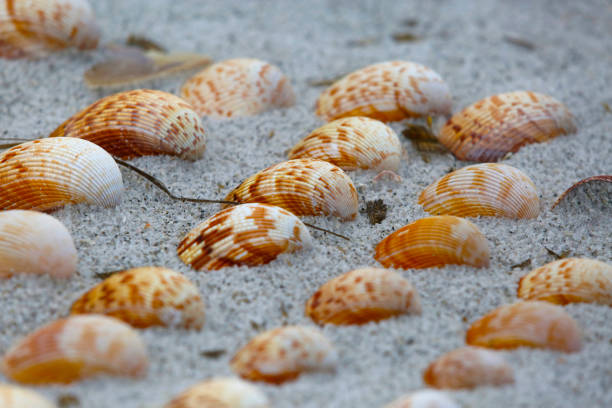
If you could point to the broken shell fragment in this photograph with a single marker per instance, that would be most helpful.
(220, 393)
(424, 399)
(591, 194)
(139, 123)
(12, 396)
(488, 189)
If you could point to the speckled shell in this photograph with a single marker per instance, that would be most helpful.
(590, 194)
(238, 87)
(569, 280)
(488, 189)
(138, 123)
(247, 234)
(302, 186)
(361, 296)
(468, 367)
(220, 393)
(432, 242)
(76, 348)
(530, 323)
(33, 28)
(144, 297)
(282, 354)
(49, 173)
(352, 143)
(495, 126)
(35, 243)
(424, 399)
(17, 397)
(387, 91)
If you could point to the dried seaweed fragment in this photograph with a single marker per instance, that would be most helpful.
(376, 210)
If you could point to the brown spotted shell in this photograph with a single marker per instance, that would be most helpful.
(424, 399)
(221, 393)
(12, 396)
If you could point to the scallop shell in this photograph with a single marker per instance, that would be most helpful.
(220, 393)
(238, 87)
(139, 123)
(361, 296)
(144, 297)
(529, 323)
(35, 243)
(302, 186)
(489, 189)
(248, 234)
(48, 173)
(468, 367)
(352, 143)
(76, 348)
(591, 194)
(433, 242)
(495, 126)
(17, 397)
(569, 280)
(386, 91)
(424, 399)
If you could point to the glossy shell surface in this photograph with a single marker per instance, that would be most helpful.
(424, 399)
(221, 393)
(12, 396)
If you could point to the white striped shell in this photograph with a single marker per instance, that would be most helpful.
(221, 392)
(12, 396)
(424, 399)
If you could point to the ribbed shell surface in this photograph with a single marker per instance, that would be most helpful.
(221, 393)
(12, 396)
(424, 399)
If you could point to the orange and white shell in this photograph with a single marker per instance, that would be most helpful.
(247, 234)
(222, 392)
(489, 189)
(138, 123)
(76, 348)
(12, 396)
(434, 242)
(495, 126)
(361, 296)
(387, 91)
(424, 399)
(282, 354)
(49, 173)
(352, 143)
(569, 280)
(302, 186)
(33, 28)
(529, 323)
(144, 297)
(35, 243)
(238, 87)
(468, 367)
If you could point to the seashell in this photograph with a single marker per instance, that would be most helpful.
(352, 143)
(221, 393)
(238, 87)
(529, 323)
(35, 243)
(248, 234)
(302, 186)
(424, 399)
(361, 296)
(495, 126)
(139, 123)
(488, 189)
(49, 173)
(16, 397)
(282, 354)
(468, 367)
(76, 348)
(144, 297)
(387, 91)
(569, 280)
(591, 194)
(433, 242)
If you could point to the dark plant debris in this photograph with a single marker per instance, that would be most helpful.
(68, 401)
(520, 42)
(144, 43)
(376, 211)
(405, 37)
(213, 353)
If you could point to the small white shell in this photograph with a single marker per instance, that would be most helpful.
(17, 397)
(424, 399)
(220, 393)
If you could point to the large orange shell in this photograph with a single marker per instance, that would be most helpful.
(12, 396)
(489, 189)
(220, 393)
(432, 242)
(424, 399)
(492, 127)
(144, 297)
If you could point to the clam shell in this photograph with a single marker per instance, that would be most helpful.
(424, 399)
(569, 280)
(433, 242)
(16, 397)
(139, 123)
(488, 189)
(361, 296)
(238, 87)
(386, 91)
(48, 173)
(591, 194)
(33, 28)
(76, 348)
(530, 323)
(220, 393)
(248, 234)
(495, 126)
(282, 354)
(144, 297)
(35, 243)
(352, 143)
(302, 186)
